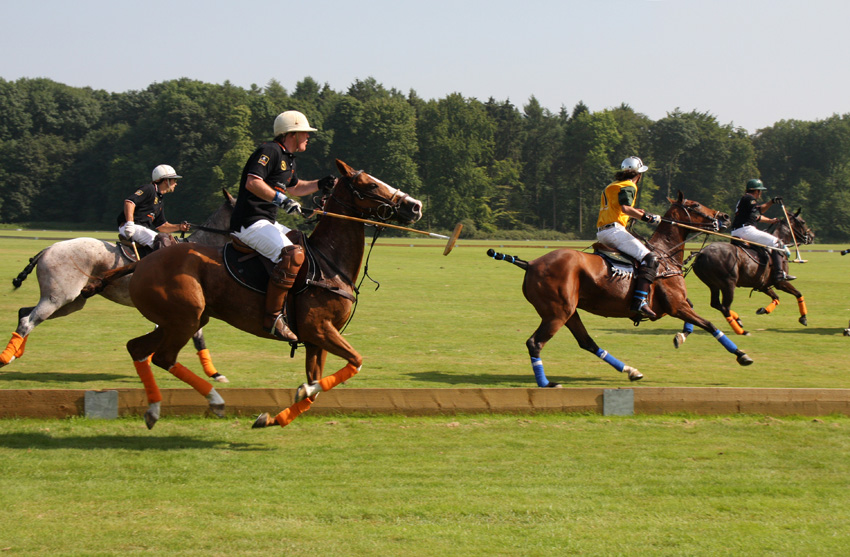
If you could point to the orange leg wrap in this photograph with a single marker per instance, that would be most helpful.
(184, 374)
(341, 376)
(206, 362)
(13, 350)
(20, 351)
(801, 303)
(143, 368)
(733, 322)
(771, 306)
(284, 418)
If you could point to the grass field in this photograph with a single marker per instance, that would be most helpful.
(455, 321)
(464, 485)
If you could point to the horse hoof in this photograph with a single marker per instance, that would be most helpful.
(744, 360)
(679, 339)
(150, 419)
(308, 390)
(847, 332)
(217, 409)
(761, 311)
(804, 322)
(551, 385)
(263, 420)
(220, 378)
(634, 375)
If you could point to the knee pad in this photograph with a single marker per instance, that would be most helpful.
(291, 259)
(648, 267)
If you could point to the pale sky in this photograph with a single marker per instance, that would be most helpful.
(750, 63)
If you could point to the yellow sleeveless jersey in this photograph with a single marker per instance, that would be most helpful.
(610, 210)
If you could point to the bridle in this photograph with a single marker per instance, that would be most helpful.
(383, 211)
(712, 224)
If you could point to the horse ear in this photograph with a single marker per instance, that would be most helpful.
(344, 169)
(797, 214)
(681, 196)
(228, 197)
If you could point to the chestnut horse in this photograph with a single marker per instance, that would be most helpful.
(181, 287)
(64, 268)
(563, 281)
(723, 267)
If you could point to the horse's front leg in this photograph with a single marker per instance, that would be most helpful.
(774, 301)
(801, 302)
(584, 340)
(686, 313)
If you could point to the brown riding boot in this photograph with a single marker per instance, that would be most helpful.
(281, 280)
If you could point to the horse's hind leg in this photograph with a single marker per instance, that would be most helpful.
(584, 340)
(29, 318)
(205, 358)
(535, 344)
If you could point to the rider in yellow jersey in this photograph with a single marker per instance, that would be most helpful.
(617, 207)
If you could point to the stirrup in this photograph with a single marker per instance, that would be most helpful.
(644, 310)
(280, 331)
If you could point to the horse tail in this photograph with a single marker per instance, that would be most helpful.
(521, 263)
(96, 285)
(22, 276)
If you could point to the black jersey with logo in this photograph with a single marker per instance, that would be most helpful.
(746, 212)
(149, 210)
(276, 167)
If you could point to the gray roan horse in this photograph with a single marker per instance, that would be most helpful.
(723, 267)
(64, 268)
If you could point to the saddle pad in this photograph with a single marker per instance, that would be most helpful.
(616, 266)
(250, 271)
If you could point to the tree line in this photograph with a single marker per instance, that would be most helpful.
(70, 155)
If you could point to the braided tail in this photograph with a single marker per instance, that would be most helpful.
(521, 263)
(22, 276)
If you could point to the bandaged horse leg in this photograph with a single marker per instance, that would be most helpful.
(205, 388)
(801, 305)
(280, 282)
(14, 349)
(735, 322)
(769, 307)
(143, 369)
(585, 342)
(205, 358)
(311, 390)
(285, 417)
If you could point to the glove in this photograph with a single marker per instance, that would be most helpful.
(129, 229)
(326, 183)
(650, 218)
(291, 206)
(777, 200)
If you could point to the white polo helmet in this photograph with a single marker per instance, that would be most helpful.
(291, 121)
(163, 171)
(634, 163)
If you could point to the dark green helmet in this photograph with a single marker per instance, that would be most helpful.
(755, 184)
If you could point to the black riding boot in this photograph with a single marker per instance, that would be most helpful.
(640, 306)
(780, 266)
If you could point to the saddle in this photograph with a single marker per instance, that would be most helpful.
(759, 256)
(162, 240)
(249, 268)
(619, 263)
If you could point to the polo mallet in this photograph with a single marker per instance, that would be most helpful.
(798, 260)
(449, 245)
(136, 251)
(727, 236)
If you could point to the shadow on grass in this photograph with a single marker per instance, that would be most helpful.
(69, 377)
(490, 380)
(43, 441)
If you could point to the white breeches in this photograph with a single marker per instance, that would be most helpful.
(620, 238)
(141, 235)
(753, 234)
(268, 238)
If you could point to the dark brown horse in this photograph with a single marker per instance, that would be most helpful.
(723, 267)
(181, 287)
(563, 281)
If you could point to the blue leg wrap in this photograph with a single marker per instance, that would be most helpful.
(611, 360)
(641, 295)
(539, 375)
(688, 328)
(724, 340)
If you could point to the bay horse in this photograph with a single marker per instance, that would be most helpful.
(64, 268)
(563, 281)
(723, 267)
(180, 288)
